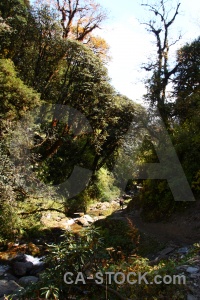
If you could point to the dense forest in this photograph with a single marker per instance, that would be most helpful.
(69, 139)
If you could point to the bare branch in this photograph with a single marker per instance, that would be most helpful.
(161, 72)
(176, 13)
(40, 210)
(85, 18)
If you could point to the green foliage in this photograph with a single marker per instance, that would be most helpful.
(82, 83)
(36, 59)
(187, 139)
(186, 81)
(77, 204)
(14, 16)
(101, 189)
(84, 253)
(196, 182)
(121, 235)
(76, 253)
(157, 201)
(15, 97)
(156, 198)
(187, 111)
(13, 201)
(105, 184)
(10, 182)
(64, 72)
(144, 290)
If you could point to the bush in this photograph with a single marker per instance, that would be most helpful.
(105, 185)
(9, 220)
(119, 234)
(158, 202)
(76, 253)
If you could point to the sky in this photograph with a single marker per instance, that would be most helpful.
(131, 45)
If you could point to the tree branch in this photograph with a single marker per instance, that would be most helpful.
(176, 13)
(40, 210)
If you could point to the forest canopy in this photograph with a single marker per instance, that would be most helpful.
(51, 64)
(70, 143)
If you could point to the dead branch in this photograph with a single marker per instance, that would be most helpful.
(40, 210)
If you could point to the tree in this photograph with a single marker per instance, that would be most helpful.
(186, 81)
(15, 97)
(36, 46)
(82, 83)
(187, 110)
(14, 14)
(99, 46)
(67, 74)
(159, 26)
(156, 197)
(79, 18)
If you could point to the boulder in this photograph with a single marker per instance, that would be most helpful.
(26, 280)
(82, 221)
(21, 268)
(183, 250)
(85, 220)
(166, 251)
(37, 269)
(21, 257)
(8, 276)
(89, 218)
(70, 222)
(8, 287)
(38, 264)
(3, 269)
(191, 297)
(192, 270)
(105, 205)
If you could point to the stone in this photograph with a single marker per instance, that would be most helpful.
(70, 222)
(26, 280)
(103, 207)
(18, 258)
(195, 275)
(8, 287)
(21, 268)
(191, 297)
(3, 269)
(107, 204)
(89, 218)
(8, 276)
(183, 267)
(37, 269)
(166, 251)
(183, 250)
(192, 270)
(82, 221)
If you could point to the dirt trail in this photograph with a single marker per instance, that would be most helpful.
(181, 229)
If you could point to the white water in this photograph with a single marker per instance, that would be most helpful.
(34, 260)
